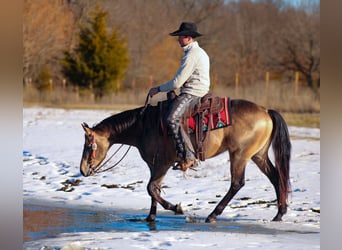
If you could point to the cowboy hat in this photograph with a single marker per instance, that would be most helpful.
(186, 29)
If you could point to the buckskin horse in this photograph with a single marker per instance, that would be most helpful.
(249, 137)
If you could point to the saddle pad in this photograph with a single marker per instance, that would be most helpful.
(214, 121)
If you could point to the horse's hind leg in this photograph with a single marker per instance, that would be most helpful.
(237, 170)
(266, 166)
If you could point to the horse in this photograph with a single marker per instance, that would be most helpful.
(252, 132)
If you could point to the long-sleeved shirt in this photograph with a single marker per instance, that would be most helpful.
(192, 76)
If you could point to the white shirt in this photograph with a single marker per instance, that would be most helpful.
(192, 76)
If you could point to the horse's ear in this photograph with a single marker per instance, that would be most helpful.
(86, 127)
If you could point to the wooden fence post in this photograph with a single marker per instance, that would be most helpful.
(63, 84)
(296, 83)
(91, 95)
(267, 83)
(77, 94)
(50, 85)
(236, 85)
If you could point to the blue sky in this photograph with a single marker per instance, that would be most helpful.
(299, 2)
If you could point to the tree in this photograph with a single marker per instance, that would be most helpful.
(100, 60)
(297, 44)
(47, 32)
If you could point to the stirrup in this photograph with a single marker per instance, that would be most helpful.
(183, 165)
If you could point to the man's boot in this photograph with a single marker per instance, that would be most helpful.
(185, 164)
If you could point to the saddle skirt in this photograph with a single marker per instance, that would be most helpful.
(212, 120)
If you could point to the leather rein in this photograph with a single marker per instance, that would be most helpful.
(93, 146)
(99, 169)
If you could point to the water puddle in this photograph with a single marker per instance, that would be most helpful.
(47, 221)
(42, 221)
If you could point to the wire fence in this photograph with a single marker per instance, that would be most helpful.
(290, 96)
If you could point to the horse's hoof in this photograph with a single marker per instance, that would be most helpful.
(178, 209)
(150, 218)
(210, 220)
(277, 218)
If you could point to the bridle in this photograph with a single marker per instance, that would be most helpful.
(93, 170)
(93, 146)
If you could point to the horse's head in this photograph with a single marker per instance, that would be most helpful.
(95, 148)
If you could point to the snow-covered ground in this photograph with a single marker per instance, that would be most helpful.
(52, 146)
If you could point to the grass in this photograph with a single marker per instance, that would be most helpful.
(307, 120)
(68, 106)
(302, 110)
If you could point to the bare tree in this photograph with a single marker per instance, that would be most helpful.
(46, 32)
(298, 44)
(246, 36)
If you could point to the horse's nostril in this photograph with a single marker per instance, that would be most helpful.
(91, 171)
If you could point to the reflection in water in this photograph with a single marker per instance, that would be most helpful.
(46, 222)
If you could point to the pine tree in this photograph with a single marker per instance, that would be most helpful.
(100, 60)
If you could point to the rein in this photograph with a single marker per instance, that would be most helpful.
(146, 104)
(99, 168)
(94, 148)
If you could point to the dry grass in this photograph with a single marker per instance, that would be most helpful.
(279, 96)
(309, 120)
(299, 108)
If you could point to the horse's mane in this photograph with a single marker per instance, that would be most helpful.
(119, 122)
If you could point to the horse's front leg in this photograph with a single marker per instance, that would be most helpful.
(153, 189)
(153, 210)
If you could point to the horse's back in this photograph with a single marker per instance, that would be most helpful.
(246, 107)
(251, 127)
(249, 114)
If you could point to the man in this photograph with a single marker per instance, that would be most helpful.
(193, 80)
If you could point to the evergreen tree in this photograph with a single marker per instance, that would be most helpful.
(100, 60)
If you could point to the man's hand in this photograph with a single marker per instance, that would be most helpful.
(153, 91)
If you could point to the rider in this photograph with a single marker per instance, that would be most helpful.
(193, 80)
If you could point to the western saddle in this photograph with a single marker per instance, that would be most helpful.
(208, 104)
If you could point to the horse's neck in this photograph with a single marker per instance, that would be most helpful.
(124, 127)
(130, 126)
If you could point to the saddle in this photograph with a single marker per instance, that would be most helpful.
(209, 103)
(212, 112)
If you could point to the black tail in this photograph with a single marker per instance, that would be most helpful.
(281, 145)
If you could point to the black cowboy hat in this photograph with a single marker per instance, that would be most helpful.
(186, 29)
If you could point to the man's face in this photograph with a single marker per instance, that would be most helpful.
(184, 40)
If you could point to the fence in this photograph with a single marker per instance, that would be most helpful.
(292, 96)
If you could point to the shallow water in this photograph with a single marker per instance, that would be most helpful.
(42, 221)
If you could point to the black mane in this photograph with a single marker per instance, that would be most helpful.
(118, 122)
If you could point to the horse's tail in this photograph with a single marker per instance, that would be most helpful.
(281, 145)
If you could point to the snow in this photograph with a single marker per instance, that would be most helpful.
(52, 146)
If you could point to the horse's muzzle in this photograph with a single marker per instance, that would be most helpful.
(87, 170)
